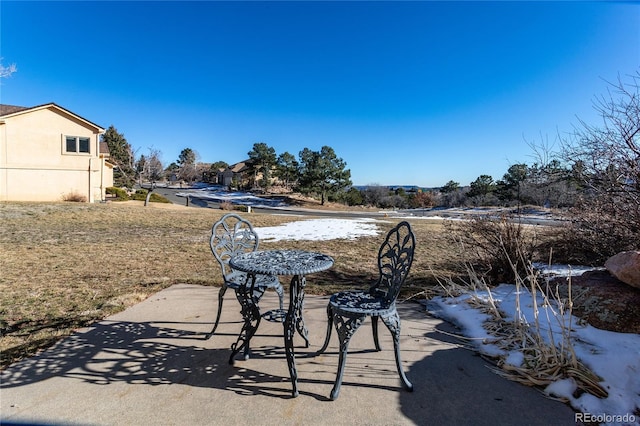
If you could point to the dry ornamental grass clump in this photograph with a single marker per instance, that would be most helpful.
(543, 359)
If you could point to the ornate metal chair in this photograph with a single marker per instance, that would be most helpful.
(230, 236)
(348, 309)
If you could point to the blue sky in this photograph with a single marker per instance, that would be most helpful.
(406, 93)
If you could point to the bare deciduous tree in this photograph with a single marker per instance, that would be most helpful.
(8, 70)
(608, 156)
(150, 168)
(605, 160)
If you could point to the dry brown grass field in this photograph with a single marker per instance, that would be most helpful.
(66, 265)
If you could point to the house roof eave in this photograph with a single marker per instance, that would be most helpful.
(12, 111)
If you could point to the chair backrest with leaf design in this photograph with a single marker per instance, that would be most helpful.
(394, 262)
(230, 236)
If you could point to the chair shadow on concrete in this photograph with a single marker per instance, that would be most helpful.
(140, 353)
(107, 351)
(153, 353)
(457, 386)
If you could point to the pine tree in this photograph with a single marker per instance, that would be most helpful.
(122, 156)
(323, 172)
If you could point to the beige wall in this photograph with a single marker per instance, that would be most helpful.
(34, 164)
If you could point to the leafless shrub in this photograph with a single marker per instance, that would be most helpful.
(599, 228)
(498, 248)
(74, 197)
(226, 205)
(374, 193)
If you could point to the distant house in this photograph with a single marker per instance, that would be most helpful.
(48, 153)
(240, 173)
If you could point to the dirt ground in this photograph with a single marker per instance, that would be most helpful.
(603, 301)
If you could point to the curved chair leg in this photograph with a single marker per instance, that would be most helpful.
(392, 322)
(335, 392)
(374, 328)
(346, 328)
(221, 293)
(329, 328)
(249, 299)
(280, 292)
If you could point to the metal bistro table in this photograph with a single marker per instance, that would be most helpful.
(297, 263)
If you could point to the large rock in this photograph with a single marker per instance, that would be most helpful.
(601, 300)
(625, 266)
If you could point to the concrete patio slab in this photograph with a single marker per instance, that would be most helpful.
(151, 365)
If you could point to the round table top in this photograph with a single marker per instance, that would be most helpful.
(281, 262)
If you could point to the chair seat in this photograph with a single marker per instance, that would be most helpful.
(360, 302)
(236, 279)
(348, 310)
(230, 236)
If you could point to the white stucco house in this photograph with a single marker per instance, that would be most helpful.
(48, 153)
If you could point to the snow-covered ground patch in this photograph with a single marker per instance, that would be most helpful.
(319, 230)
(563, 270)
(615, 357)
(218, 195)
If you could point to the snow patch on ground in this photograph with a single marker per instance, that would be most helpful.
(320, 230)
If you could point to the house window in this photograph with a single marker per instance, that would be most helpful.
(76, 145)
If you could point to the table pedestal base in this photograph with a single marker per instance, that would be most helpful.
(296, 263)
